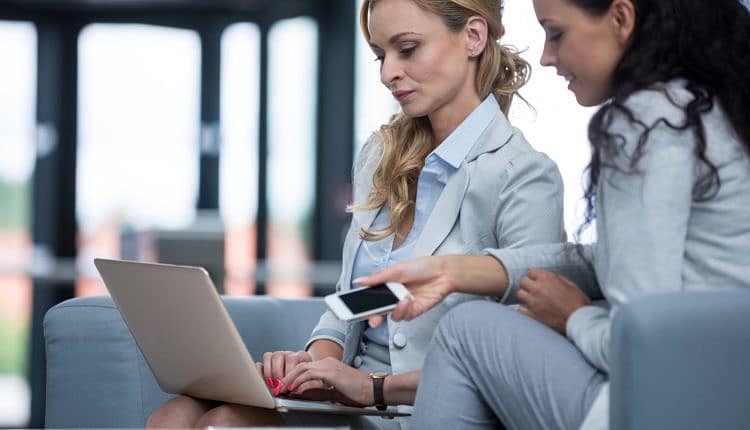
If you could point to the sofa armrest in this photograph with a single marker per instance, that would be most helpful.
(97, 377)
(681, 361)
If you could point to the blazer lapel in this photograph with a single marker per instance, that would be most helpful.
(360, 219)
(497, 134)
(364, 219)
(444, 214)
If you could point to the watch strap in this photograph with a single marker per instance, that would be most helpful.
(377, 391)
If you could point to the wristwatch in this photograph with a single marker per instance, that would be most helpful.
(378, 378)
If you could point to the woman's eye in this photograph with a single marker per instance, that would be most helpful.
(405, 52)
(555, 37)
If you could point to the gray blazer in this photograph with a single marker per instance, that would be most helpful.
(504, 195)
(653, 236)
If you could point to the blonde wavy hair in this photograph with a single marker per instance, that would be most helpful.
(406, 141)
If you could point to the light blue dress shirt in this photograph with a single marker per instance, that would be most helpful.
(439, 167)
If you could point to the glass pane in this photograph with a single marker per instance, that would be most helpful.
(559, 125)
(17, 123)
(138, 127)
(240, 78)
(292, 98)
(374, 104)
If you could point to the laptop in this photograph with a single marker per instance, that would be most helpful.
(189, 340)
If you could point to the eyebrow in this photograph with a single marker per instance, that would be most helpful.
(393, 39)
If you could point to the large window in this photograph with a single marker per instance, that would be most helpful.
(238, 194)
(17, 125)
(138, 126)
(293, 65)
(373, 103)
(557, 124)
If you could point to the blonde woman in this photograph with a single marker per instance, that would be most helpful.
(447, 175)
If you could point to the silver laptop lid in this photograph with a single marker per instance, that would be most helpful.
(184, 331)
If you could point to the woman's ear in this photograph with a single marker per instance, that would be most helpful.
(476, 35)
(623, 17)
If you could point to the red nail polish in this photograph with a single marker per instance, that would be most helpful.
(269, 382)
(277, 390)
(278, 383)
(290, 387)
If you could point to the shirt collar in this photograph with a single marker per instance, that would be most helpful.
(456, 146)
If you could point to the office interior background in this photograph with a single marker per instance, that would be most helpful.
(218, 133)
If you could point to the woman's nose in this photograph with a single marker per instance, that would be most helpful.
(547, 58)
(390, 71)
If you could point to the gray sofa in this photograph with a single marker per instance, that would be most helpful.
(680, 361)
(97, 377)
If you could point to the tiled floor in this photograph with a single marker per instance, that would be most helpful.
(14, 401)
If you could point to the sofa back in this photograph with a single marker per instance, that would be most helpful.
(681, 361)
(97, 377)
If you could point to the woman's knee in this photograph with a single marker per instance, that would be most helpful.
(160, 418)
(475, 321)
(238, 415)
(179, 412)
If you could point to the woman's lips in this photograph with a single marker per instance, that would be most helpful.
(402, 95)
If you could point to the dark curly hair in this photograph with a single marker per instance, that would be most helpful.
(707, 43)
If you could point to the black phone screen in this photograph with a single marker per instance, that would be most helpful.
(366, 299)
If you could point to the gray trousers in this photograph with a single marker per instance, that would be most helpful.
(491, 367)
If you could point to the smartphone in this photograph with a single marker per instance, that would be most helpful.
(358, 304)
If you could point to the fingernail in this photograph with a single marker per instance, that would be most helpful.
(277, 390)
(269, 382)
(278, 383)
(290, 387)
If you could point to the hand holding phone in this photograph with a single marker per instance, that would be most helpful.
(360, 303)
